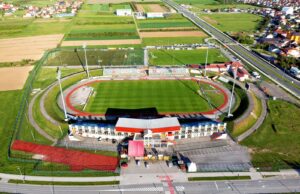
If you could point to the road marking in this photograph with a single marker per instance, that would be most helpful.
(180, 188)
(216, 185)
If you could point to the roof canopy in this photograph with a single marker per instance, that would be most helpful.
(155, 125)
(136, 148)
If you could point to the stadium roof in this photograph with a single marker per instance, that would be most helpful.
(155, 125)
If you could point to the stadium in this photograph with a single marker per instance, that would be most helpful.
(154, 104)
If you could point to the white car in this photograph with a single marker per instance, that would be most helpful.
(256, 75)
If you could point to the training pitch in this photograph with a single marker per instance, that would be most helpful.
(167, 96)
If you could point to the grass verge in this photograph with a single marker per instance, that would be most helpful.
(63, 183)
(219, 178)
(273, 145)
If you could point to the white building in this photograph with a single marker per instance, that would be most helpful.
(288, 10)
(123, 12)
(154, 15)
(152, 131)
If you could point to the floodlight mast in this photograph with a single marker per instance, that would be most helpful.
(232, 91)
(206, 61)
(61, 93)
(86, 61)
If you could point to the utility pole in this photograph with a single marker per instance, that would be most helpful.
(232, 92)
(206, 61)
(61, 93)
(86, 61)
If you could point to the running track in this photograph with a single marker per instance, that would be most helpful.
(77, 160)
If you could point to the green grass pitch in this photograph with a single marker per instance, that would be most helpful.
(165, 95)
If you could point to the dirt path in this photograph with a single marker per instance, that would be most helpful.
(101, 42)
(13, 78)
(172, 34)
(33, 47)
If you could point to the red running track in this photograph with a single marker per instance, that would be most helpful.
(83, 113)
(77, 160)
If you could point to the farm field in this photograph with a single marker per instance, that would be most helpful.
(13, 78)
(147, 7)
(117, 1)
(172, 34)
(183, 57)
(161, 31)
(198, 5)
(98, 22)
(19, 27)
(164, 95)
(233, 22)
(39, 3)
(273, 144)
(107, 57)
(17, 49)
(172, 40)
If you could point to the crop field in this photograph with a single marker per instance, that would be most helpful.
(274, 144)
(39, 3)
(164, 95)
(107, 57)
(172, 40)
(17, 27)
(98, 22)
(117, 1)
(236, 22)
(183, 57)
(147, 7)
(161, 23)
(16, 49)
(198, 5)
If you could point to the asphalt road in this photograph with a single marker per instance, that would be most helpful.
(269, 70)
(248, 186)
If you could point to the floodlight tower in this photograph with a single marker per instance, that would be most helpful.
(61, 93)
(232, 91)
(206, 61)
(86, 61)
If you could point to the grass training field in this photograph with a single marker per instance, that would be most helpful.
(164, 95)
(274, 145)
(236, 22)
(105, 57)
(183, 57)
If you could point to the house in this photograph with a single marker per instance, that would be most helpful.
(294, 36)
(288, 10)
(216, 67)
(241, 73)
(123, 12)
(293, 52)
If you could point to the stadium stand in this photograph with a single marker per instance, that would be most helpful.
(168, 71)
(125, 71)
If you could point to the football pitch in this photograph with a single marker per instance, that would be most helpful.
(176, 96)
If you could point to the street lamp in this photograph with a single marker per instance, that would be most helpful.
(86, 61)
(21, 174)
(99, 61)
(61, 93)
